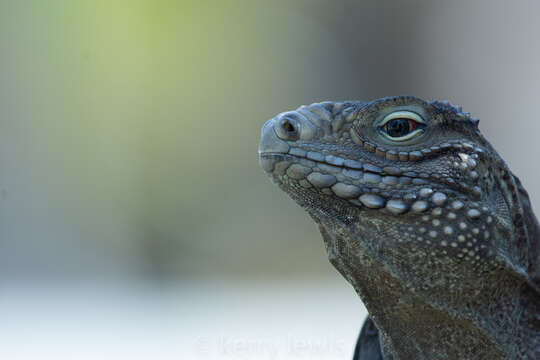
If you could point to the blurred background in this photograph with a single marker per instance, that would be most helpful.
(134, 219)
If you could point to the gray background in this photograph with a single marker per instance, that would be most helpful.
(134, 219)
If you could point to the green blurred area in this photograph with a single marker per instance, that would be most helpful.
(130, 134)
(129, 129)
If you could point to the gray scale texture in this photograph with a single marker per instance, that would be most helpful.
(435, 234)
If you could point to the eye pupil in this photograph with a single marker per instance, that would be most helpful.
(398, 127)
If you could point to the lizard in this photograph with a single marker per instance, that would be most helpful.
(420, 214)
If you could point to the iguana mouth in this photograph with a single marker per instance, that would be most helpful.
(364, 185)
(361, 183)
(336, 162)
(345, 170)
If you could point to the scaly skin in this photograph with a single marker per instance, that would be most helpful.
(435, 233)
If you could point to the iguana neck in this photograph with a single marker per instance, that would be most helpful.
(411, 322)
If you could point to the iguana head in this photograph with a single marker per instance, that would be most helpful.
(408, 190)
(412, 173)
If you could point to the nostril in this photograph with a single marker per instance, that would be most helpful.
(288, 126)
(287, 129)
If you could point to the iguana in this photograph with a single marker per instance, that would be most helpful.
(424, 219)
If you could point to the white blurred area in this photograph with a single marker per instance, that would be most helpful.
(228, 319)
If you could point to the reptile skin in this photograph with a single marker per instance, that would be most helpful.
(424, 219)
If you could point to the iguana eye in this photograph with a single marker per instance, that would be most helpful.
(402, 125)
